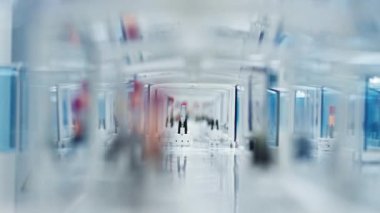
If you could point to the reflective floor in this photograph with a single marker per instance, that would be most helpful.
(190, 179)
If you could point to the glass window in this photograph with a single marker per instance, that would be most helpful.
(329, 103)
(372, 114)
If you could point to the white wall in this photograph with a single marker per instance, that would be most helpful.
(5, 31)
(231, 113)
(7, 160)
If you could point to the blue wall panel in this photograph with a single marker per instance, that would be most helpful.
(273, 117)
(372, 119)
(7, 108)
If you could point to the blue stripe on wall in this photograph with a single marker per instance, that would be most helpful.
(13, 112)
(7, 96)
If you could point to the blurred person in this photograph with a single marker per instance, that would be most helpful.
(169, 112)
(303, 148)
(183, 117)
(130, 28)
(261, 153)
(79, 109)
(72, 34)
(153, 145)
(212, 123)
(129, 143)
(136, 108)
(136, 136)
(331, 121)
